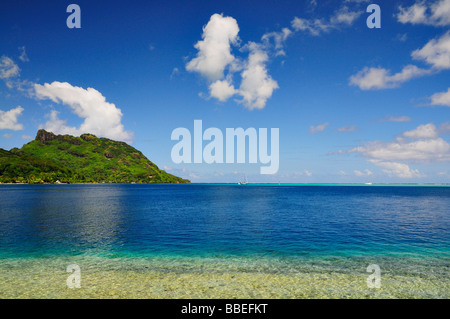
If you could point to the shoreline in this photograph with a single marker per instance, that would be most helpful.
(255, 184)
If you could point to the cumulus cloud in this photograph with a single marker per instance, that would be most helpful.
(319, 128)
(422, 131)
(257, 85)
(379, 78)
(442, 98)
(100, 117)
(214, 51)
(436, 13)
(218, 65)
(9, 119)
(421, 145)
(222, 90)
(436, 52)
(398, 169)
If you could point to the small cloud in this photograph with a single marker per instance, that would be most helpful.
(308, 173)
(342, 17)
(380, 78)
(365, 173)
(8, 70)
(194, 176)
(398, 169)
(9, 119)
(318, 128)
(27, 137)
(7, 135)
(396, 119)
(402, 37)
(436, 52)
(347, 128)
(442, 98)
(23, 55)
(222, 90)
(175, 72)
(279, 38)
(426, 131)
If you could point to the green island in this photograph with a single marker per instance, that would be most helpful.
(65, 159)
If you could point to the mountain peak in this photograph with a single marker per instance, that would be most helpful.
(44, 136)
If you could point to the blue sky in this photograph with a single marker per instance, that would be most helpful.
(352, 104)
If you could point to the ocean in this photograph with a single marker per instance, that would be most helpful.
(224, 241)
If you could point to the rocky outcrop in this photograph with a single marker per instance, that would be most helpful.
(43, 136)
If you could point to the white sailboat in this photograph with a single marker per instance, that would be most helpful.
(245, 182)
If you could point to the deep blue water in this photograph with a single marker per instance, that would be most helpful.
(224, 220)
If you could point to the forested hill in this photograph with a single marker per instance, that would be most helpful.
(54, 158)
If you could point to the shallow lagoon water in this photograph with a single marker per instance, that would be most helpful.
(224, 241)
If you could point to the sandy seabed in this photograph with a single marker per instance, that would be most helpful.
(173, 278)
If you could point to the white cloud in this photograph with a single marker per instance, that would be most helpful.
(313, 26)
(379, 78)
(398, 169)
(7, 135)
(8, 70)
(100, 117)
(365, 173)
(214, 51)
(342, 17)
(216, 62)
(257, 85)
(422, 132)
(308, 173)
(9, 119)
(421, 145)
(347, 128)
(436, 52)
(319, 128)
(444, 129)
(442, 98)
(222, 90)
(279, 38)
(436, 13)
(396, 119)
(23, 55)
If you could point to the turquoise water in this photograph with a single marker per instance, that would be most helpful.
(315, 236)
